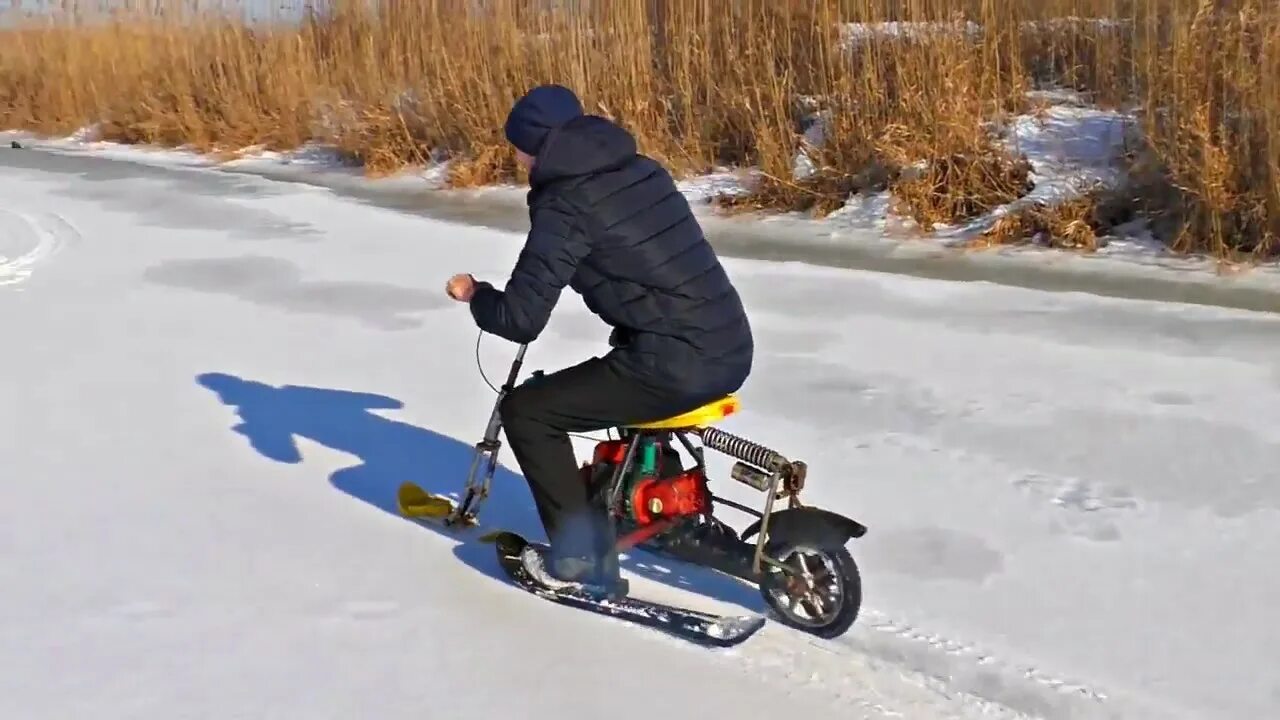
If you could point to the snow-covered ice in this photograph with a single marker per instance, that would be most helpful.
(213, 383)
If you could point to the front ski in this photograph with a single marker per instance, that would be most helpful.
(414, 502)
(420, 506)
(707, 629)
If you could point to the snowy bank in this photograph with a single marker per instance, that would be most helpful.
(853, 35)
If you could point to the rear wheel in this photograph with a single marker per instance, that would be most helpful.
(821, 595)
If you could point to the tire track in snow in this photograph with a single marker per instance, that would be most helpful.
(880, 687)
(965, 667)
(891, 669)
(888, 667)
(881, 657)
(845, 671)
(29, 240)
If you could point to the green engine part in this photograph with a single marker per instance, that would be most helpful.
(648, 457)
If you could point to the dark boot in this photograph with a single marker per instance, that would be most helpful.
(596, 576)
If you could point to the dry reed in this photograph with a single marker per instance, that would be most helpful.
(701, 83)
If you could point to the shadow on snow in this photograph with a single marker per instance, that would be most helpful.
(392, 452)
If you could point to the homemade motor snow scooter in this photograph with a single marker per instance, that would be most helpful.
(798, 560)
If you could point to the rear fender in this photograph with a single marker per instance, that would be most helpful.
(808, 526)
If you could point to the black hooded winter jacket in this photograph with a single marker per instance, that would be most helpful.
(611, 224)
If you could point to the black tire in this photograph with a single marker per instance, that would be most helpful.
(845, 596)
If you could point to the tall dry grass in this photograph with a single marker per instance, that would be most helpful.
(702, 83)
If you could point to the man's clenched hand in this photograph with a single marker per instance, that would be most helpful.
(461, 287)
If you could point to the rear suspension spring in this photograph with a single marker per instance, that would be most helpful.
(742, 449)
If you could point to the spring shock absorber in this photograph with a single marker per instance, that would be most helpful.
(763, 469)
(743, 449)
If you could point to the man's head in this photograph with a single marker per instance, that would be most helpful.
(535, 115)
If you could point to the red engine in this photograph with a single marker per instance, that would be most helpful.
(672, 493)
(653, 499)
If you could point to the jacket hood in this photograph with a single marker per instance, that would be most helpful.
(583, 146)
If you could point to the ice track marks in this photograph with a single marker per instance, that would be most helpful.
(29, 240)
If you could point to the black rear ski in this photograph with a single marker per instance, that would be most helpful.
(707, 629)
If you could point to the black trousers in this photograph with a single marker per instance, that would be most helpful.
(537, 417)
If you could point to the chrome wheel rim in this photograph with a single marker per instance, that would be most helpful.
(812, 594)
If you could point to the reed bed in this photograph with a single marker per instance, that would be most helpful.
(909, 95)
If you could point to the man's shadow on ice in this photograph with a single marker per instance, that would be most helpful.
(392, 452)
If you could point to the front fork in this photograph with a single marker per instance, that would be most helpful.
(484, 460)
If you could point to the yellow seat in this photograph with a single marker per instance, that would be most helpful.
(708, 414)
